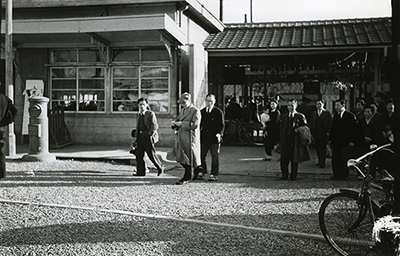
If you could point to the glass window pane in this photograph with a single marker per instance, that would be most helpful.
(119, 106)
(158, 100)
(91, 72)
(71, 105)
(155, 84)
(65, 98)
(155, 55)
(89, 56)
(126, 84)
(87, 96)
(57, 104)
(125, 55)
(64, 56)
(152, 95)
(92, 106)
(91, 84)
(63, 84)
(63, 95)
(154, 72)
(131, 72)
(125, 95)
(63, 72)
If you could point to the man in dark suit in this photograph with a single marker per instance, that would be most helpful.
(342, 135)
(289, 123)
(320, 124)
(146, 136)
(7, 114)
(212, 127)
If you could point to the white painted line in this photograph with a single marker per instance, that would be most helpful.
(171, 218)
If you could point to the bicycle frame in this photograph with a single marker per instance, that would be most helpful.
(351, 234)
(368, 181)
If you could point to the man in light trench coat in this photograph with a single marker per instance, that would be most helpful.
(187, 140)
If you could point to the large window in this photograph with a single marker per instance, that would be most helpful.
(132, 83)
(78, 88)
(80, 81)
(125, 88)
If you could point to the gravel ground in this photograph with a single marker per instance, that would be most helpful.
(240, 200)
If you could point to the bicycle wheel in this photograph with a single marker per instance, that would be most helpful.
(346, 224)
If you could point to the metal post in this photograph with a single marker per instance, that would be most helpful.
(221, 10)
(251, 11)
(9, 86)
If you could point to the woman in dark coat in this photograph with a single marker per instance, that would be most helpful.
(271, 130)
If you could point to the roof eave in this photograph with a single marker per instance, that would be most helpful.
(203, 16)
(238, 52)
(72, 3)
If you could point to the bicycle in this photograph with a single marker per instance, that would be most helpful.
(347, 218)
(239, 132)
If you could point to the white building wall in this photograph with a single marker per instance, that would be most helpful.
(198, 62)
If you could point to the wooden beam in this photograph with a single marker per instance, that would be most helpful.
(100, 24)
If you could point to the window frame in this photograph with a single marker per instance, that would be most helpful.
(140, 89)
(77, 88)
(108, 79)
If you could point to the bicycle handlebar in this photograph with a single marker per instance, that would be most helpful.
(373, 151)
(354, 162)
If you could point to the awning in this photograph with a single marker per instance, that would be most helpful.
(134, 30)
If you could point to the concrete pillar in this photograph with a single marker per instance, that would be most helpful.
(38, 131)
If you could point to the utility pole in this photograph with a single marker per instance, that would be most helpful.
(9, 86)
(251, 11)
(221, 10)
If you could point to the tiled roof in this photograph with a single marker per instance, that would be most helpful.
(302, 34)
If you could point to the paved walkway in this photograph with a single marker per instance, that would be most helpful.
(234, 160)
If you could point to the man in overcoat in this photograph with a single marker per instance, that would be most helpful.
(342, 135)
(211, 131)
(146, 136)
(320, 124)
(292, 151)
(187, 140)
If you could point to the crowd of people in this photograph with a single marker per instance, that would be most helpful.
(197, 132)
(339, 135)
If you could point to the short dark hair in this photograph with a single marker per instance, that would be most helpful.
(142, 99)
(292, 100)
(389, 100)
(369, 106)
(273, 100)
(211, 95)
(342, 102)
(320, 100)
(361, 101)
(380, 94)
